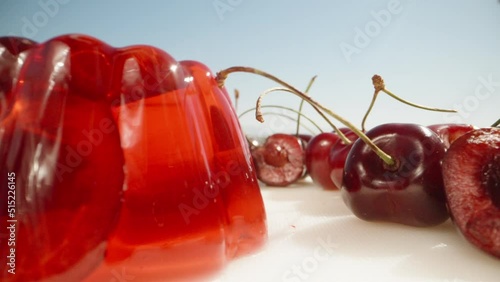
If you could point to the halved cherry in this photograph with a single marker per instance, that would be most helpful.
(280, 160)
(449, 132)
(471, 174)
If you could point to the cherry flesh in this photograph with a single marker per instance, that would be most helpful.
(280, 160)
(409, 192)
(471, 175)
(449, 132)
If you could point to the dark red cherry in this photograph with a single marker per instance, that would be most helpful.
(280, 160)
(471, 174)
(449, 132)
(338, 156)
(410, 191)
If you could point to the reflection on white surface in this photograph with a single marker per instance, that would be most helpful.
(314, 237)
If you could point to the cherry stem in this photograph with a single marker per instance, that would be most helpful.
(222, 75)
(236, 98)
(284, 108)
(375, 94)
(496, 123)
(379, 85)
(302, 104)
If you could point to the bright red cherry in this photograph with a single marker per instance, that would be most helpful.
(410, 191)
(317, 155)
(449, 132)
(338, 156)
(471, 174)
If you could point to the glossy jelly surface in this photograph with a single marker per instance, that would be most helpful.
(124, 159)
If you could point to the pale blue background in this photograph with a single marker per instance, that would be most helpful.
(432, 52)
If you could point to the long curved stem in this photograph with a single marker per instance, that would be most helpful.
(301, 105)
(369, 110)
(222, 75)
(284, 108)
(417, 105)
(379, 85)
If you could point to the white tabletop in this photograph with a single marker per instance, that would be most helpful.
(314, 237)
